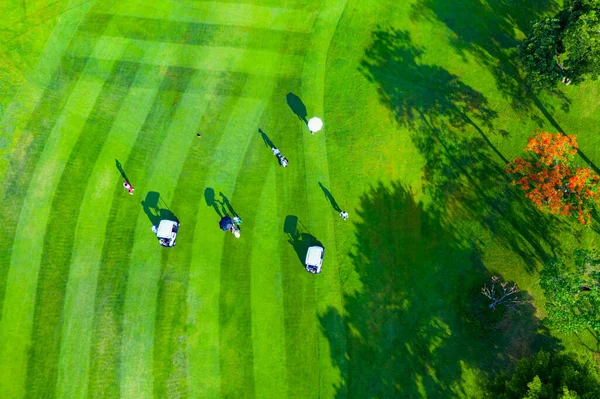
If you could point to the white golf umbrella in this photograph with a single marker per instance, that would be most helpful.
(315, 124)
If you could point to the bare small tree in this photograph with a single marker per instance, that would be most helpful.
(502, 294)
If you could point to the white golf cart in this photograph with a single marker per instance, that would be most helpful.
(166, 232)
(314, 259)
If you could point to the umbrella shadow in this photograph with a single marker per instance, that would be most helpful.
(209, 197)
(297, 106)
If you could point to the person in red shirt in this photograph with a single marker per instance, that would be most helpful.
(128, 187)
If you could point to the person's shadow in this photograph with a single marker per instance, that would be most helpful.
(266, 139)
(209, 197)
(297, 106)
(227, 208)
(121, 170)
(154, 211)
(330, 198)
(300, 241)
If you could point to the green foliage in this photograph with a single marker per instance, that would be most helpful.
(535, 388)
(564, 46)
(572, 293)
(548, 376)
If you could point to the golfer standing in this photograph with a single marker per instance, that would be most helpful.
(128, 187)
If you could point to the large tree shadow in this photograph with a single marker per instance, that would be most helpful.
(408, 314)
(464, 172)
(487, 31)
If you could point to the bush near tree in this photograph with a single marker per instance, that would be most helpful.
(548, 376)
(564, 47)
(551, 181)
(573, 292)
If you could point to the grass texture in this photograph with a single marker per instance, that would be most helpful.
(423, 103)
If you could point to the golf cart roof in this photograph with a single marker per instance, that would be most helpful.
(314, 256)
(165, 229)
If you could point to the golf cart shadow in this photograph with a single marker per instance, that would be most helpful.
(302, 241)
(164, 223)
(154, 211)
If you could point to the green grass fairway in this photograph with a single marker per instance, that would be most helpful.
(423, 103)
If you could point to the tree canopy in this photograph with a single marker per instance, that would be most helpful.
(573, 292)
(565, 46)
(548, 376)
(549, 179)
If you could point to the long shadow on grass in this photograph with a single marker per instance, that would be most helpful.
(486, 30)
(464, 172)
(412, 307)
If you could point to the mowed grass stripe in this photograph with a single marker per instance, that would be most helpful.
(143, 371)
(170, 355)
(299, 320)
(235, 313)
(17, 318)
(137, 364)
(328, 288)
(204, 380)
(265, 62)
(26, 153)
(268, 332)
(268, 262)
(49, 87)
(60, 233)
(171, 332)
(87, 252)
(217, 13)
(205, 358)
(207, 362)
(289, 4)
(235, 305)
(205, 34)
(231, 84)
(15, 120)
(112, 284)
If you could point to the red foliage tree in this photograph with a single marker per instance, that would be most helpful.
(550, 180)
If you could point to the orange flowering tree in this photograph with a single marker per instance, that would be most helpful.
(549, 179)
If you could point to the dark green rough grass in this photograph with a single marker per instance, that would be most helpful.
(428, 240)
(410, 318)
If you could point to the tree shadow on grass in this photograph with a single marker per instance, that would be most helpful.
(463, 172)
(408, 314)
(487, 30)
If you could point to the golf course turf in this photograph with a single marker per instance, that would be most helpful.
(423, 103)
